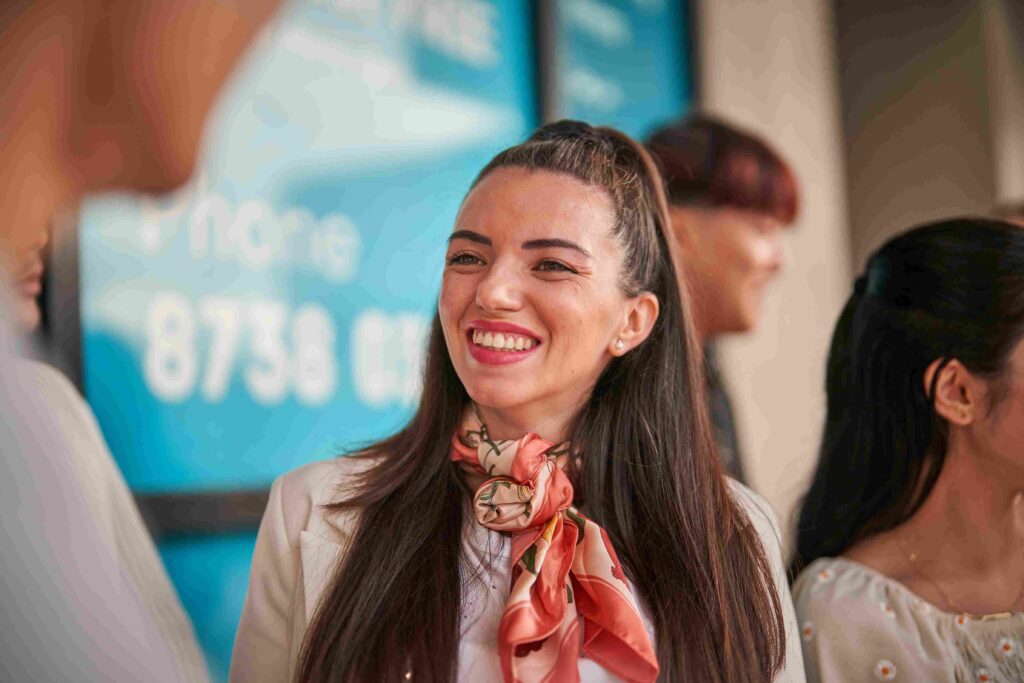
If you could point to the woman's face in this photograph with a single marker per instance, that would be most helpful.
(999, 427)
(530, 302)
(730, 256)
(25, 278)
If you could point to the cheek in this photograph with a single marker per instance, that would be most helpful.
(730, 261)
(455, 291)
(582, 324)
(1008, 426)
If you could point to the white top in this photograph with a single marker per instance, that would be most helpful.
(83, 593)
(860, 625)
(298, 546)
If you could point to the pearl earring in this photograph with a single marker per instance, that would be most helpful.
(619, 344)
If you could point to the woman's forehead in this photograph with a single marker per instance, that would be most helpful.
(522, 204)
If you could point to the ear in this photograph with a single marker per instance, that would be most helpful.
(641, 314)
(958, 393)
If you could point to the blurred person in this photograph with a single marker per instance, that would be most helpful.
(94, 95)
(912, 530)
(25, 281)
(111, 506)
(554, 509)
(730, 197)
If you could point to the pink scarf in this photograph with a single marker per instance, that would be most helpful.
(564, 568)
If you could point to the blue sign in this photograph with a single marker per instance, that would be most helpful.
(622, 63)
(274, 312)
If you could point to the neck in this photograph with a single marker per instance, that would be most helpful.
(512, 423)
(974, 514)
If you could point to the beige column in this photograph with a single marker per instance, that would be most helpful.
(770, 66)
(916, 106)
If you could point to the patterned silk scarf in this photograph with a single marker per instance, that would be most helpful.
(564, 568)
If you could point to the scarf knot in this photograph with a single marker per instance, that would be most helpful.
(565, 572)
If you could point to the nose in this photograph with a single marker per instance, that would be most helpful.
(777, 259)
(499, 290)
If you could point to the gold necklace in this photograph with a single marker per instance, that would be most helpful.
(914, 568)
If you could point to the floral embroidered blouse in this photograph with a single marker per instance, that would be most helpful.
(859, 625)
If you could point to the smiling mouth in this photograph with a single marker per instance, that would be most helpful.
(506, 342)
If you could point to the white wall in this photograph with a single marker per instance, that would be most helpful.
(915, 101)
(1003, 36)
(770, 66)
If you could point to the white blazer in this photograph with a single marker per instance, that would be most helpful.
(298, 548)
(83, 592)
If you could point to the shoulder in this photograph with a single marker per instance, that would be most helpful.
(854, 619)
(761, 515)
(840, 597)
(50, 382)
(325, 481)
(298, 498)
(64, 410)
(765, 523)
(835, 586)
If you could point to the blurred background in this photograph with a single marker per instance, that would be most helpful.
(272, 312)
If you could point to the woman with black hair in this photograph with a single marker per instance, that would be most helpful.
(912, 531)
(554, 510)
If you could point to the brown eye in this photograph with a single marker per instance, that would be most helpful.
(553, 266)
(464, 258)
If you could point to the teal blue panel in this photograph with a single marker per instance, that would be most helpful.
(623, 63)
(273, 312)
(212, 576)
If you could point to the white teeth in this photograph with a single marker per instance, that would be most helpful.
(502, 342)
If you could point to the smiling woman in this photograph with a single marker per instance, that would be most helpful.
(534, 255)
(554, 510)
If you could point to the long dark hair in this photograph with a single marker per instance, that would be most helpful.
(953, 289)
(706, 161)
(648, 475)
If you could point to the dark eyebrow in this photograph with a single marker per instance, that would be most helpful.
(556, 243)
(469, 235)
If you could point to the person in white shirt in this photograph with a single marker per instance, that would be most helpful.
(94, 95)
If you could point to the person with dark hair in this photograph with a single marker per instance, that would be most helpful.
(911, 535)
(554, 509)
(94, 96)
(730, 195)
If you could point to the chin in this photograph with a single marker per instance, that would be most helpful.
(739, 323)
(494, 395)
(747, 325)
